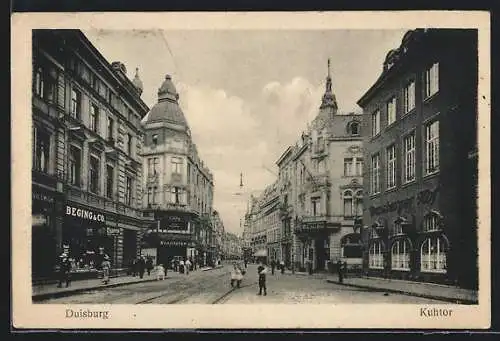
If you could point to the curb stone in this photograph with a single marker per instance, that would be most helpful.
(65, 293)
(408, 293)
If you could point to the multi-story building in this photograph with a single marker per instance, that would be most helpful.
(328, 195)
(86, 153)
(420, 143)
(285, 187)
(178, 186)
(232, 246)
(218, 231)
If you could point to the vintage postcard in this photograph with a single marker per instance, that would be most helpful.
(251, 170)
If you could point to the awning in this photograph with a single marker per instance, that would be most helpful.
(260, 253)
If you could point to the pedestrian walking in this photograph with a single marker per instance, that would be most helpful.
(246, 262)
(64, 267)
(141, 266)
(340, 271)
(282, 265)
(344, 269)
(149, 265)
(160, 272)
(273, 265)
(262, 270)
(181, 266)
(236, 276)
(106, 267)
(188, 266)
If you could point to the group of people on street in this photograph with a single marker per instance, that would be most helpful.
(183, 266)
(141, 265)
(280, 265)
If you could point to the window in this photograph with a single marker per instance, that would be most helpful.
(375, 174)
(321, 166)
(110, 128)
(75, 165)
(315, 205)
(94, 174)
(358, 204)
(176, 195)
(400, 255)
(354, 128)
(188, 173)
(431, 223)
(129, 144)
(431, 80)
(41, 150)
(432, 147)
(39, 82)
(376, 257)
(76, 99)
(391, 111)
(433, 255)
(376, 123)
(128, 190)
(153, 163)
(176, 165)
(94, 117)
(155, 195)
(109, 181)
(150, 195)
(409, 158)
(391, 167)
(348, 203)
(353, 167)
(409, 97)
(155, 139)
(320, 145)
(398, 228)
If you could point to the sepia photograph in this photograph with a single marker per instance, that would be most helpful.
(290, 168)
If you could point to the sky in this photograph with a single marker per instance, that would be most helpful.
(248, 95)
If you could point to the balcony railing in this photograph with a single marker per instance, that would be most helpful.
(44, 178)
(95, 200)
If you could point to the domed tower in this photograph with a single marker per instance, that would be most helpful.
(138, 82)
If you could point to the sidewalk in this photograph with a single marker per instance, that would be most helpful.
(46, 291)
(425, 290)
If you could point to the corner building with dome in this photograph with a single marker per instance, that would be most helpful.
(178, 187)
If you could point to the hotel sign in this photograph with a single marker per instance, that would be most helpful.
(425, 197)
(42, 197)
(173, 243)
(84, 214)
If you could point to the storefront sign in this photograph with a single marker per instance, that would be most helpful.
(42, 197)
(173, 243)
(173, 222)
(425, 197)
(84, 214)
(39, 220)
(112, 231)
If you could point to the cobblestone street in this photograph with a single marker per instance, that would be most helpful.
(210, 287)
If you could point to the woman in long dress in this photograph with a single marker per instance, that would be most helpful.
(236, 276)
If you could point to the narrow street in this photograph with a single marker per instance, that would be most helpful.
(213, 287)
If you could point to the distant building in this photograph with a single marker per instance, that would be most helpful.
(178, 187)
(87, 141)
(420, 119)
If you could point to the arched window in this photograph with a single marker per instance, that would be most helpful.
(354, 128)
(433, 254)
(376, 257)
(348, 203)
(358, 203)
(400, 255)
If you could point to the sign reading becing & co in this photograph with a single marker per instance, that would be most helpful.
(84, 214)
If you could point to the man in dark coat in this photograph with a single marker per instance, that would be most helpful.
(273, 265)
(340, 271)
(149, 265)
(64, 268)
(262, 270)
(141, 265)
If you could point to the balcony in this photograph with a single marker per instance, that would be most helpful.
(43, 178)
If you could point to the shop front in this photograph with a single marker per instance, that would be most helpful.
(46, 231)
(86, 234)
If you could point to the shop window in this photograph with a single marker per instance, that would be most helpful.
(400, 255)
(376, 256)
(75, 165)
(433, 254)
(350, 247)
(41, 150)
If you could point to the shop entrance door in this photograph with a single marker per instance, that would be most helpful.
(322, 253)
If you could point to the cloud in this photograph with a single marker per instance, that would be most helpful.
(236, 136)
